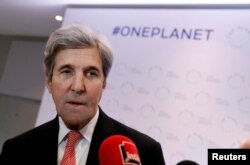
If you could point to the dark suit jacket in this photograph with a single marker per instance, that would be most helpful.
(39, 145)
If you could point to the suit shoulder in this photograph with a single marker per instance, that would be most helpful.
(112, 126)
(41, 131)
(136, 135)
(150, 150)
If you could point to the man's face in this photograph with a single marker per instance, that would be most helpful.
(77, 85)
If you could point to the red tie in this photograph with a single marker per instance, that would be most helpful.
(69, 153)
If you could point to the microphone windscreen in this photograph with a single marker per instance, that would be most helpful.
(118, 150)
(187, 162)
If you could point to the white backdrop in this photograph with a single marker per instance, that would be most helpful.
(179, 75)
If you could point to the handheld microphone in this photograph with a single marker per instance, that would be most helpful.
(187, 162)
(118, 150)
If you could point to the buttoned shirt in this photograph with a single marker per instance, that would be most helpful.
(82, 147)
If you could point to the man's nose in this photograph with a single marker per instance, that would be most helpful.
(78, 84)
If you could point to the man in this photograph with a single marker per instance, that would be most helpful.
(77, 63)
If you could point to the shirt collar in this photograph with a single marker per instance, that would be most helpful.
(87, 131)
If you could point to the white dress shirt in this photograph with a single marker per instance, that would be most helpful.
(82, 147)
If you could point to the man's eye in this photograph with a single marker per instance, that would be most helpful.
(66, 71)
(92, 73)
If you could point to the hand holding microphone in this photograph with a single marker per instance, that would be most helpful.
(245, 143)
(118, 150)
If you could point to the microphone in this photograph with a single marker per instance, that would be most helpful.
(118, 150)
(187, 162)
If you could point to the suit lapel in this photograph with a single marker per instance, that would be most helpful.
(49, 141)
(104, 128)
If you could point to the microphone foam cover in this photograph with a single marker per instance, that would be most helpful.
(118, 150)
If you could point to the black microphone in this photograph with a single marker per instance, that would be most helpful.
(118, 150)
(187, 162)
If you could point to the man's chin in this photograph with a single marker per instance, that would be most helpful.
(74, 126)
(74, 123)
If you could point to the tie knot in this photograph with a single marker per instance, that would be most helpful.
(73, 138)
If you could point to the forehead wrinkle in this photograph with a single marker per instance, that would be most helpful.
(77, 65)
(70, 66)
(63, 66)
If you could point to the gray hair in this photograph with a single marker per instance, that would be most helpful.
(74, 37)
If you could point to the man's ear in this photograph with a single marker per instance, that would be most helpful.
(48, 83)
(104, 84)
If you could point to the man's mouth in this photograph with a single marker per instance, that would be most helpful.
(75, 103)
